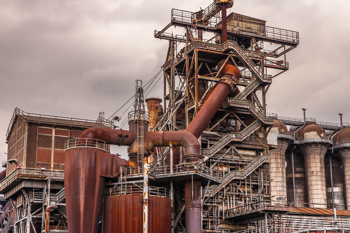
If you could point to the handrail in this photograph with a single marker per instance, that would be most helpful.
(246, 103)
(86, 143)
(30, 173)
(56, 120)
(270, 33)
(240, 174)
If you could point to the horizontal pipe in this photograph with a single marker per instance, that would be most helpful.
(176, 138)
(111, 136)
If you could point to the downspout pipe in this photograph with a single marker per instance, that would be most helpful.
(226, 86)
(47, 217)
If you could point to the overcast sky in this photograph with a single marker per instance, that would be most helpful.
(76, 58)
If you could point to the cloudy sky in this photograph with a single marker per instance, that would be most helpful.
(76, 58)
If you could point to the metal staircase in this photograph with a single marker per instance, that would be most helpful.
(208, 13)
(239, 175)
(245, 59)
(249, 89)
(237, 137)
(250, 106)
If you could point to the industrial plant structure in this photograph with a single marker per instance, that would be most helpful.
(206, 157)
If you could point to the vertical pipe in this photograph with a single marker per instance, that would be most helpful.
(341, 120)
(293, 177)
(172, 187)
(193, 206)
(172, 82)
(304, 113)
(224, 24)
(331, 171)
(145, 195)
(196, 80)
(164, 93)
(187, 86)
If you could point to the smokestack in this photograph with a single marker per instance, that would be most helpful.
(304, 113)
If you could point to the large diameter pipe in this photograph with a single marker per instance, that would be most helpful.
(111, 136)
(176, 138)
(226, 85)
(193, 206)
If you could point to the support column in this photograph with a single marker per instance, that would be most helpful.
(315, 174)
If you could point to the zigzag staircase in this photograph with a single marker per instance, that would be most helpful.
(209, 12)
(237, 137)
(239, 175)
(253, 68)
(250, 106)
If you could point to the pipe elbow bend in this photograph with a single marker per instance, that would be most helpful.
(192, 146)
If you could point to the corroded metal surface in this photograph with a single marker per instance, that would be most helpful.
(229, 76)
(193, 206)
(155, 110)
(111, 136)
(123, 214)
(84, 181)
(176, 138)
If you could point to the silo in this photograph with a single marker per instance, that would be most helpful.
(278, 186)
(342, 146)
(299, 178)
(335, 180)
(314, 145)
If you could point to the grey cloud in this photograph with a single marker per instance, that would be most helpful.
(76, 58)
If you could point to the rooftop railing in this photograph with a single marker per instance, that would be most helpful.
(86, 143)
(56, 120)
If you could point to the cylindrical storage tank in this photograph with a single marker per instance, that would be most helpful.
(124, 214)
(299, 179)
(155, 110)
(314, 145)
(278, 187)
(338, 182)
(133, 147)
(342, 146)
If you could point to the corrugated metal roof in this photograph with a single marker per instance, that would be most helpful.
(316, 211)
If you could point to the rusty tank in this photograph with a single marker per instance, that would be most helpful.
(123, 214)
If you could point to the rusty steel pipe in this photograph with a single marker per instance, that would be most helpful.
(193, 206)
(176, 138)
(47, 218)
(229, 77)
(224, 24)
(111, 136)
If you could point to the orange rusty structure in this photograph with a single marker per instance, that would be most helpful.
(123, 214)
